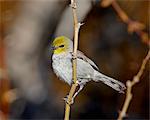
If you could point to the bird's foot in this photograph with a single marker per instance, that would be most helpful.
(70, 102)
(73, 56)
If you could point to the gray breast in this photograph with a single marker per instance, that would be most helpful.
(63, 69)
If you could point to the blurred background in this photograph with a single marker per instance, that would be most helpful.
(28, 87)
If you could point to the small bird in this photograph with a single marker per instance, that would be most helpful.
(86, 68)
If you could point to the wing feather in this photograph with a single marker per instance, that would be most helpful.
(81, 55)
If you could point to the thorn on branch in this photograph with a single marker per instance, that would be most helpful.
(80, 24)
(73, 5)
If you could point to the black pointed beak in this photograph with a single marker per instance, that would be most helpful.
(53, 48)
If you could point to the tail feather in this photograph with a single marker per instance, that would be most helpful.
(118, 86)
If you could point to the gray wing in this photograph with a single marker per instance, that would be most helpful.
(81, 55)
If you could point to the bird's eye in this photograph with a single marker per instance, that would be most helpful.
(61, 46)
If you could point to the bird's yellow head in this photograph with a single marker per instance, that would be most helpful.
(61, 44)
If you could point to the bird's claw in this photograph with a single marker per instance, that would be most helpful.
(67, 101)
(73, 56)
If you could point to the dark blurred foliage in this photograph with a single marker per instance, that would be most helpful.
(105, 39)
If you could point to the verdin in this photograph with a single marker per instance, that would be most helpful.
(86, 68)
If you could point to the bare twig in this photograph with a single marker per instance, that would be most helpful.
(130, 84)
(137, 27)
(133, 26)
(74, 61)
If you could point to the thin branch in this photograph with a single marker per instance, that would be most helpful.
(130, 84)
(137, 27)
(74, 61)
(133, 26)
